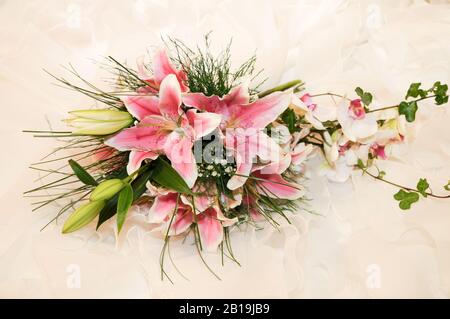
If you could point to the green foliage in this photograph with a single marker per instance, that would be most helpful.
(139, 187)
(165, 175)
(290, 119)
(208, 73)
(82, 174)
(408, 109)
(365, 97)
(415, 91)
(423, 186)
(440, 90)
(447, 187)
(406, 198)
(123, 205)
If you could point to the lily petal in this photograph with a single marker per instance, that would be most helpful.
(262, 112)
(203, 123)
(136, 138)
(162, 67)
(141, 106)
(182, 221)
(178, 148)
(135, 160)
(274, 186)
(170, 97)
(211, 230)
(163, 206)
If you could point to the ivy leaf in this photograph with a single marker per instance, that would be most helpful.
(165, 175)
(447, 187)
(422, 186)
(406, 199)
(440, 90)
(123, 205)
(82, 174)
(366, 97)
(408, 109)
(414, 90)
(359, 92)
(289, 118)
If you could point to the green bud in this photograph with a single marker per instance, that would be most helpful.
(82, 216)
(107, 189)
(99, 122)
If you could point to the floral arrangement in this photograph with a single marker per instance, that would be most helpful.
(201, 150)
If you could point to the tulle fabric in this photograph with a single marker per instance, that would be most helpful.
(355, 230)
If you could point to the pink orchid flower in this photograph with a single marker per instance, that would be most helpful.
(315, 114)
(162, 67)
(244, 124)
(164, 128)
(209, 217)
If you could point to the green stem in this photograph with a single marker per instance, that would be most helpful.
(403, 187)
(331, 94)
(282, 87)
(396, 106)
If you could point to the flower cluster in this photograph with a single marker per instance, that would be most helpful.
(205, 152)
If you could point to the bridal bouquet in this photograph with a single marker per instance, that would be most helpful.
(195, 146)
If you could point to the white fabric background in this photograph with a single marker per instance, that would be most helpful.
(332, 45)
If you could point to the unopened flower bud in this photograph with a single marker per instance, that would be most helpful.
(99, 122)
(107, 189)
(82, 216)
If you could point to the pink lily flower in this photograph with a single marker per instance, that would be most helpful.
(275, 186)
(209, 218)
(164, 128)
(244, 124)
(162, 67)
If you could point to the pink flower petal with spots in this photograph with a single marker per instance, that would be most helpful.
(182, 221)
(262, 112)
(178, 149)
(136, 158)
(142, 106)
(144, 138)
(274, 186)
(162, 67)
(210, 228)
(170, 97)
(203, 123)
(162, 207)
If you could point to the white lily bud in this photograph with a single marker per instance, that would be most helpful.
(99, 122)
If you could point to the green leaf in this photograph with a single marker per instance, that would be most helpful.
(123, 205)
(406, 199)
(422, 186)
(139, 187)
(447, 187)
(440, 90)
(408, 109)
(400, 195)
(413, 91)
(361, 164)
(289, 118)
(82, 174)
(165, 175)
(359, 92)
(366, 97)
(381, 174)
